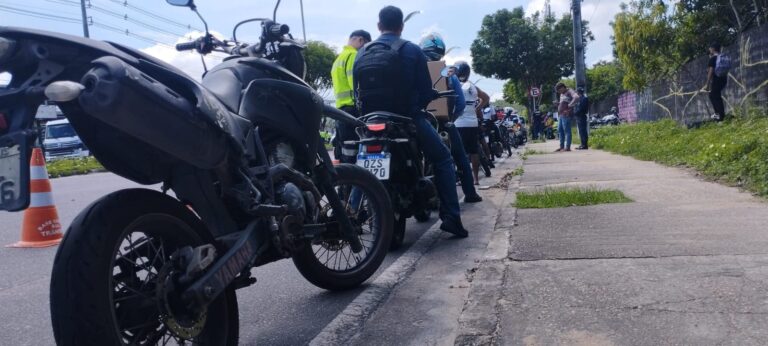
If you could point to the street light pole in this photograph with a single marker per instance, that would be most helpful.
(578, 45)
(303, 27)
(85, 18)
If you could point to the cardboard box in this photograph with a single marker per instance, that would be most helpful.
(438, 107)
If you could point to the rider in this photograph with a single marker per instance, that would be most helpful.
(409, 96)
(433, 47)
(467, 122)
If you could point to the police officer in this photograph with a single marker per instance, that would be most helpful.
(341, 74)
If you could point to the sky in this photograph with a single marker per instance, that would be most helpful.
(156, 26)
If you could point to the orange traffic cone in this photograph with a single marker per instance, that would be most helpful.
(41, 227)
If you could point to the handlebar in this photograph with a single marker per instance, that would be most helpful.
(279, 29)
(447, 93)
(187, 45)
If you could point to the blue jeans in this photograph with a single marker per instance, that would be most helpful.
(445, 175)
(462, 161)
(564, 130)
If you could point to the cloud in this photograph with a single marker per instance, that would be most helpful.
(189, 62)
(598, 13)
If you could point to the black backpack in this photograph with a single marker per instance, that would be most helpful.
(378, 79)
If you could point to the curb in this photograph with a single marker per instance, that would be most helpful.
(347, 325)
(349, 322)
(479, 321)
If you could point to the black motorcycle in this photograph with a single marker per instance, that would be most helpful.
(252, 183)
(389, 148)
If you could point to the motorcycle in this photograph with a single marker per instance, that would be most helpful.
(252, 183)
(389, 148)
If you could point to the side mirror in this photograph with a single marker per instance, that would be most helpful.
(444, 72)
(182, 3)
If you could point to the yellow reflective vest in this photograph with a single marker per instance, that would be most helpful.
(341, 73)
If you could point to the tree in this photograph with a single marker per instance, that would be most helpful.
(652, 41)
(529, 51)
(643, 36)
(319, 57)
(604, 80)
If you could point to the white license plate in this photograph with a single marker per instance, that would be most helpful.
(378, 164)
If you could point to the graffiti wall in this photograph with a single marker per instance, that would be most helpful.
(682, 97)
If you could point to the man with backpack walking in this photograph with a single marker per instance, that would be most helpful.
(391, 74)
(717, 79)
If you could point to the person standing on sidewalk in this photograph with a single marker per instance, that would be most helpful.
(717, 79)
(341, 75)
(582, 115)
(391, 74)
(568, 101)
(467, 122)
(433, 47)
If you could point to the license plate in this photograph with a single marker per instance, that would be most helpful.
(10, 175)
(377, 164)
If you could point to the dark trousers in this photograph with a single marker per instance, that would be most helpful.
(346, 132)
(582, 124)
(716, 96)
(445, 174)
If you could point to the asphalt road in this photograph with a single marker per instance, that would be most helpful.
(280, 309)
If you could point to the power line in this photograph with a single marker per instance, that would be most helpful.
(128, 33)
(39, 15)
(123, 16)
(595, 10)
(155, 16)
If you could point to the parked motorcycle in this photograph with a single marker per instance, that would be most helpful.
(389, 148)
(252, 183)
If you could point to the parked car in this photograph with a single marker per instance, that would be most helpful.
(61, 141)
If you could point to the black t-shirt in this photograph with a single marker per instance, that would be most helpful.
(713, 64)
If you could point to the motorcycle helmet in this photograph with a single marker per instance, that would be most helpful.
(433, 46)
(462, 70)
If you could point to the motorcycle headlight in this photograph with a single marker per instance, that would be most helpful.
(7, 48)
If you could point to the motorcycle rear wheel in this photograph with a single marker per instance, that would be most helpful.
(108, 274)
(322, 261)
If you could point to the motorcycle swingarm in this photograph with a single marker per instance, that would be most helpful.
(251, 244)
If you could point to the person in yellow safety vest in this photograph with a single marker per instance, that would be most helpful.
(341, 74)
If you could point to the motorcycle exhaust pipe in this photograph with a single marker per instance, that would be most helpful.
(133, 102)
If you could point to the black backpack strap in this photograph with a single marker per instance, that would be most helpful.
(399, 43)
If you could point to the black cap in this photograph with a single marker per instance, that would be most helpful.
(361, 33)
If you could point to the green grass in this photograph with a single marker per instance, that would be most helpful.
(734, 152)
(568, 197)
(529, 152)
(76, 166)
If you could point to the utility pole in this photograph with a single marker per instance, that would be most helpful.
(85, 19)
(578, 46)
(303, 26)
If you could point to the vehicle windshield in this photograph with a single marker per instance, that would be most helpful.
(59, 131)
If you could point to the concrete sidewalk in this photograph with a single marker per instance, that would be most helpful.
(685, 264)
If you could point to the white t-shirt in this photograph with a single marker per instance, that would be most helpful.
(468, 118)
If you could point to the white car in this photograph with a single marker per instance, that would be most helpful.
(61, 141)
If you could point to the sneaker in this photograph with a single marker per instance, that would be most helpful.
(455, 228)
(569, 149)
(559, 150)
(473, 199)
(715, 117)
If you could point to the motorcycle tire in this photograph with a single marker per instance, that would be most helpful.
(398, 233)
(381, 218)
(496, 149)
(88, 304)
(423, 216)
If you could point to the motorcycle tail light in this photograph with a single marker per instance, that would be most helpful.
(376, 127)
(374, 148)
